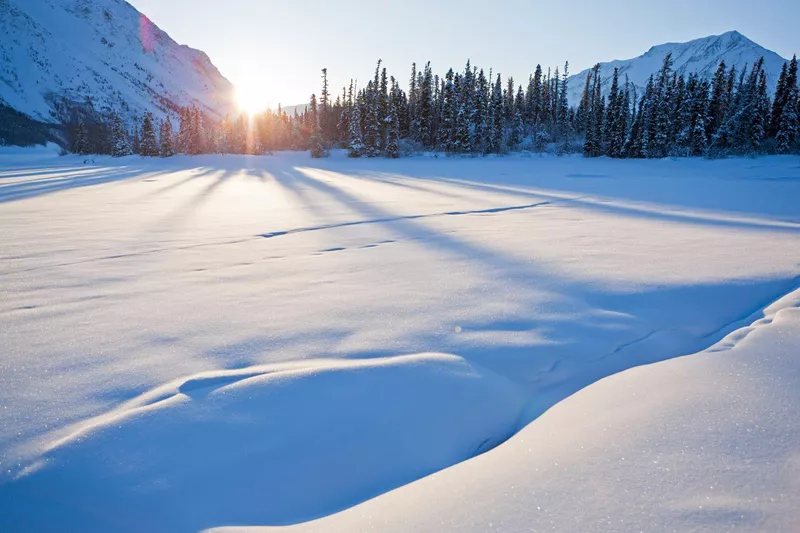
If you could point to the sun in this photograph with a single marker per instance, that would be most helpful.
(250, 100)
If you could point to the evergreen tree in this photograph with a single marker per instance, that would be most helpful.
(393, 127)
(658, 142)
(535, 95)
(779, 102)
(148, 146)
(581, 116)
(317, 147)
(564, 121)
(788, 126)
(718, 106)
(480, 115)
(496, 118)
(81, 144)
(616, 119)
(120, 146)
(167, 149)
(356, 141)
(413, 97)
(136, 138)
(425, 125)
(593, 144)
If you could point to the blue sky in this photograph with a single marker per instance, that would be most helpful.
(274, 50)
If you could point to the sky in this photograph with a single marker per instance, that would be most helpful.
(273, 51)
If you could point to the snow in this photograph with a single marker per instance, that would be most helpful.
(707, 442)
(701, 56)
(231, 340)
(103, 50)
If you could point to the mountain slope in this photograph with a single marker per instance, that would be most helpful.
(57, 52)
(700, 55)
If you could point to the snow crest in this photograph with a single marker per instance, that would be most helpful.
(272, 444)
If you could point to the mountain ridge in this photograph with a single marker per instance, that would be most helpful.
(103, 54)
(701, 56)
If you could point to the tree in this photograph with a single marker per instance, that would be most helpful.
(564, 123)
(148, 145)
(120, 146)
(317, 146)
(356, 141)
(658, 143)
(616, 118)
(593, 144)
(167, 149)
(788, 126)
(779, 102)
(81, 144)
(393, 127)
(496, 118)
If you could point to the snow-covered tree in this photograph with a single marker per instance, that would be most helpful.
(356, 140)
(165, 137)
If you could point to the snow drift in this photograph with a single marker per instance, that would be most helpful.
(275, 444)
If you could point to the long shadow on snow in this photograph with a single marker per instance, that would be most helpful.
(563, 365)
(34, 188)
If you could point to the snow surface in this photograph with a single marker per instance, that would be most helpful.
(709, 442)
(233, 340)
(103, 50)
(701, 56)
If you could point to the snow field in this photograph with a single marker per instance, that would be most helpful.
(170, 328)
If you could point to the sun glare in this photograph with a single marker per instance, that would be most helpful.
(250, 100)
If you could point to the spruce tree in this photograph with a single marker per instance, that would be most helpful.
(616, 121)
(535, 106)
(658, 143)
(778, 102)
(148, 146)
(480, 116)
(788, 126)
(593, 144)
(582, 114)
(317, 148)
(356, 141)
(496, 118)
(564, 120)
(718, 106)
(167, 149)
(81, 144)
(393, 132)
(120, 146)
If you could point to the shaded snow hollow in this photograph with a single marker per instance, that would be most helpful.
(217, 341)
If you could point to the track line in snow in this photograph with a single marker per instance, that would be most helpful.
(492, 210)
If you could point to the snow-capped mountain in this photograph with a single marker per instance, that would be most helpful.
(103, 51)
(700, 55)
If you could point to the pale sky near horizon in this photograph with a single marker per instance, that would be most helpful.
(274, 50)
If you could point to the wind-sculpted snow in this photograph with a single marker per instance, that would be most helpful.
(706, 443)
(279, 444)
(182, 369)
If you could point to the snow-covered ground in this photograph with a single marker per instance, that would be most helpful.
(221, 341)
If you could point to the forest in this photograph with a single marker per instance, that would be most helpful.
(474, 113)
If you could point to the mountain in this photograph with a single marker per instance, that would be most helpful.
(700, 55)
(55, 54)
(291, 109)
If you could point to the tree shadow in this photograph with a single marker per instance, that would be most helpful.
(34, 188)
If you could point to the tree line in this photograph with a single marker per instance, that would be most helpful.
(475, 113)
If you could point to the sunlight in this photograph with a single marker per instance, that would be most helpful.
(250, 99)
